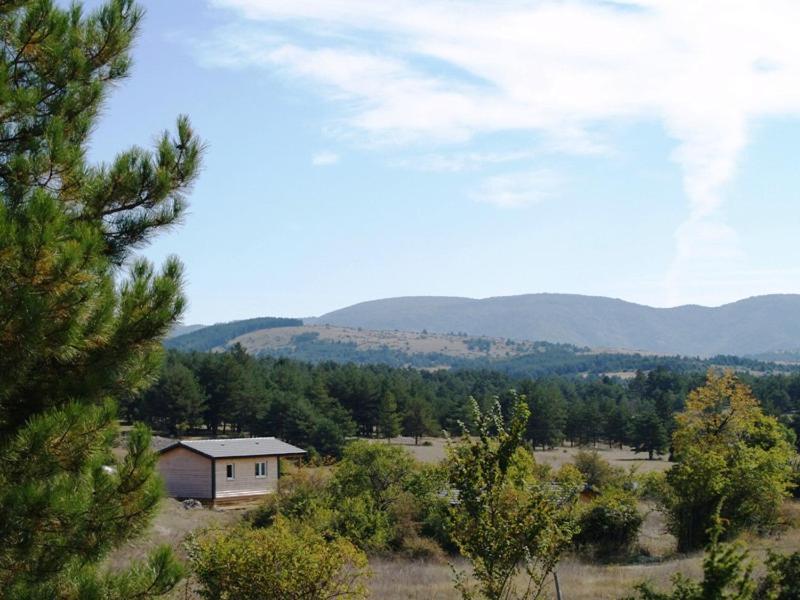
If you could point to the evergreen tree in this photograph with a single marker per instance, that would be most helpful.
(176, 402)
(418, 419)
(548, 416)
(388, 417)
(648, 434)
(81, 319)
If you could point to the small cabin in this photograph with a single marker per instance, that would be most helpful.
(223, 469)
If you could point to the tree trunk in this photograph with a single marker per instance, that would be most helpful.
(558, 587)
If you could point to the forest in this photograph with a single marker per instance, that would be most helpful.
(320, 405)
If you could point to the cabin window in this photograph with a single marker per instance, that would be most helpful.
(261, 469)
(230, 471)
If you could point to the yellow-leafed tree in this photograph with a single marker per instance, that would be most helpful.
(730, 454)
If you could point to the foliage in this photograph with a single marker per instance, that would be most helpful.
(81, 318)
(418, 420)
(728, 575)
(291, 561)
(505, 520)
(609, 525)
(319, 406)
(649, 434)
(730, 454)
(176, 402)
(596, 471)
(377, 497)
(388, 418)
(782, 581)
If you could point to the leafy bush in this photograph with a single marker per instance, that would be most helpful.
(651, 486)
(378, 497)
(782, 581)
(287, 561)
(597, 472)
(609, 526)
(302, 496)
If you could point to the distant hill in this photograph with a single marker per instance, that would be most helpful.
(754, 326)
(183, 330)
(216, 336)
(317, 343)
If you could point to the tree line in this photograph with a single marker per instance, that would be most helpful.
(320, 405)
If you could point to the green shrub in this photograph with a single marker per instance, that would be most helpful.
(609, 526)
(303, 496)
(782, 581)
(287, 561)
(596, 471)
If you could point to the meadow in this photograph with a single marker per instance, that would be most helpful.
(396, 578)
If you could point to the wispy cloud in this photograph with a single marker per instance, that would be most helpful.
(517, 190)
(324, 159)
(449, 70)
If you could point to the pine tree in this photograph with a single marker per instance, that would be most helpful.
(81, 318)
(648, 434)
(388, 417)
(418, 419)
(176, 402)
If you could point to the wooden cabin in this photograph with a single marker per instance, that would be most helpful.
(220, 470)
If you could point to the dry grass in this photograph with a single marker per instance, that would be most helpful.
(432, 450)
(411, 580)
(409, 342)
(171, 526)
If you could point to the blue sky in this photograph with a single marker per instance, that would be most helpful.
(361, 149)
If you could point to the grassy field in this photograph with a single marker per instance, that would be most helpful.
(432, 450)
(400, 579)
(415, 580)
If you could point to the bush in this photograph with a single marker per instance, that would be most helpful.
(596, 471)
(287, 561)
(302, 496)
(782, 581)
(609, 526)
(652, 486)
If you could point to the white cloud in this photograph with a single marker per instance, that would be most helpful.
(425, 71)
(324, 159)
(517, 190)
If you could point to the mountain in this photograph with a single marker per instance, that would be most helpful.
(183, 330)
(762, 324)
(215, 336)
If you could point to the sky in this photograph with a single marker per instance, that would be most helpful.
(645, 150)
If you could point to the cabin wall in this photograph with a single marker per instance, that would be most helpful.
(186, 474)
(246, 483)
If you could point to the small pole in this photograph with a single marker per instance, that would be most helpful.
(558, 587)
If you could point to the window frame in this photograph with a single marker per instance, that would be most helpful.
(261, 469)
(230, 471)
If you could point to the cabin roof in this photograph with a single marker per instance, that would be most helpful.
(238, 447)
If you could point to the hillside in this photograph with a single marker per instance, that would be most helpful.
(758, 325)
(179, 330)
(316, 343)
(214, 336)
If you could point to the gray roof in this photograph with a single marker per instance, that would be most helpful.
(231, 448)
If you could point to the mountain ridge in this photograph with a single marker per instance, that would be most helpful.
(752, 325)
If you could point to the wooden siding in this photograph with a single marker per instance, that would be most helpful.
(246, 483)
(186, 474)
